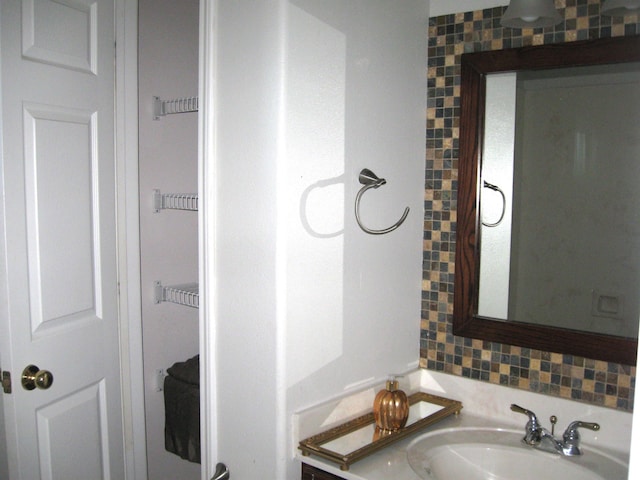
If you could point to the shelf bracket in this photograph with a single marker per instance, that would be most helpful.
(162, 108)
(174, 201)
(186, 294)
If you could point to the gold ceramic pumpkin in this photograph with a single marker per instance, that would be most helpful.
(391, 408)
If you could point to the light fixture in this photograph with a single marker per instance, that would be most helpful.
(620, 7)
(530, 14)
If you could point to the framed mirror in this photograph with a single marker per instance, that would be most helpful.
(474, 313)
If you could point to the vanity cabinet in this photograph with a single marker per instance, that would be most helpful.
(313, 473)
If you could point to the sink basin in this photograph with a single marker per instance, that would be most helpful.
(498, 454)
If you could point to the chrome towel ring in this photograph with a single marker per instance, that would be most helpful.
(495, 188)
(371, 180)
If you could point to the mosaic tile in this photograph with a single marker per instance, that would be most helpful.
(567, 376)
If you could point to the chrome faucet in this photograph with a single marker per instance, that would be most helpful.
(538, 437)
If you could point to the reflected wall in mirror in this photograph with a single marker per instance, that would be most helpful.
(566, 251)
(552, 249)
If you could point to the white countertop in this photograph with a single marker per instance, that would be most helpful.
(484, 405)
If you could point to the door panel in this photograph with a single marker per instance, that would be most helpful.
(59, 165)
(67, 454)
(60, 260)
(61, 33)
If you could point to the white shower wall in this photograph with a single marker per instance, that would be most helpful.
(168, 68)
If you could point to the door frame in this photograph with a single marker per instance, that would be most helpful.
(207, 208)
(128, 231)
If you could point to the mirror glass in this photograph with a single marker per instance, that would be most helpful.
(548, 224)
(560, 207)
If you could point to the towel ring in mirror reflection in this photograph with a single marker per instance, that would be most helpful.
(371, 180)
(495, 188)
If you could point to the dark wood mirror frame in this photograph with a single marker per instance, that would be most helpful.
(466, 322)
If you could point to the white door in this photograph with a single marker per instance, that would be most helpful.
(58, 256)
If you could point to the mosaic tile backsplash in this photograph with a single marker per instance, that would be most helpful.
(582, 379)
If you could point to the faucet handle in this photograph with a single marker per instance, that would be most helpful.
(571, 436)
(532, 416)
(532, 428)
(572, 429)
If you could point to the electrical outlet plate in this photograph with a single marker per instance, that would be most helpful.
(607, 304)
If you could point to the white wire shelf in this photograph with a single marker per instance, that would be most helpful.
(186, 294)
(174, 201)
(162, 108)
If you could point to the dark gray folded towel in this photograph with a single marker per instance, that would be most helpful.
(188, 372)
(182, 410)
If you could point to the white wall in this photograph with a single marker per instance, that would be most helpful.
(168, 68)
(308, 305)
(634, 462)
(4, 461)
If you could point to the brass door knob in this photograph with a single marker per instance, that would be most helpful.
(33, 377)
